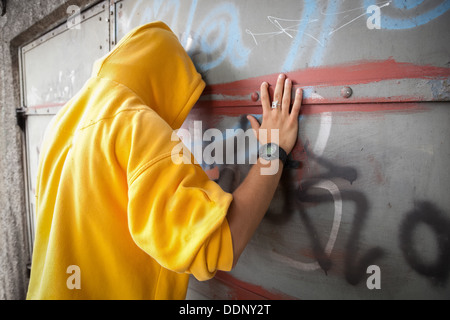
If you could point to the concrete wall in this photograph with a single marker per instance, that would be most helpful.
(22, 22)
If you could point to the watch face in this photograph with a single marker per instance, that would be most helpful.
(269, 151)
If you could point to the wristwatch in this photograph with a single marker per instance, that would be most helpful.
(272, 151)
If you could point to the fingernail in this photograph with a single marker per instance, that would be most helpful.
(281, 76)
(299, 91)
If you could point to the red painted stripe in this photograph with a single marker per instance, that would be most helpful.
(360, 72)
(246, 291)
(238, 93)
(346, 74)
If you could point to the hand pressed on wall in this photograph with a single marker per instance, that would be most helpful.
(280, 118)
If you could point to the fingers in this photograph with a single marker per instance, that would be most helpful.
(297, 104)
(278, 93)
(286, 97)
(282, 95)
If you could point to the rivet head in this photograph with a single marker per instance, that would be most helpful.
(255, 96)
(346, 92)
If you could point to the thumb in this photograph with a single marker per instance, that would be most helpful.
(255, 124)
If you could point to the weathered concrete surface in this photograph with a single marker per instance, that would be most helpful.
(23, 22)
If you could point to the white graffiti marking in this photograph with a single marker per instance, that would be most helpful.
(311, 266)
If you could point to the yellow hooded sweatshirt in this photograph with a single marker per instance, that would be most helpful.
(116, 217)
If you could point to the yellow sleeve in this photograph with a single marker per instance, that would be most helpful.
(176, 214)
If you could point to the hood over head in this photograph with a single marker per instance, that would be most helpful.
(152, 63)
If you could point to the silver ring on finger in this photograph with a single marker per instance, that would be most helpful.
(275, 104)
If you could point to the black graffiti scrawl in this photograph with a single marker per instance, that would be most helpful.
(425, 212)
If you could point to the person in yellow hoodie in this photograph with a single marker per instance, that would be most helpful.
(116, 217)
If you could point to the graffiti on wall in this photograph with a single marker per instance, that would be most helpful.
(332, 185)
(219, 34)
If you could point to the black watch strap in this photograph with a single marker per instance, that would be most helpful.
(283, 155)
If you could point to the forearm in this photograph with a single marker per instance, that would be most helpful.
(252, 199)
(250, 203)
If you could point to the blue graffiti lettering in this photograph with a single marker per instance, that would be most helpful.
(220, 38)
(407, 21)
(330, 18)
(407, 4)
(159, 9)
(188, 28)
(309, 7)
